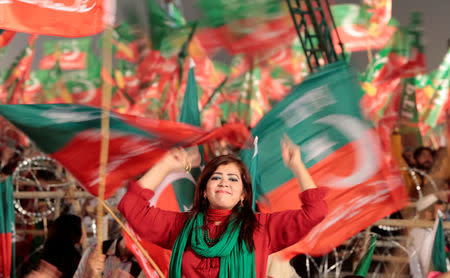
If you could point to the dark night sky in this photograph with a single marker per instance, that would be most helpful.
(436, 23)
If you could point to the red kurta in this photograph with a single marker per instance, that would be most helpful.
(277, 230)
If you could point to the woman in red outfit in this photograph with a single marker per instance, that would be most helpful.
(221, 236)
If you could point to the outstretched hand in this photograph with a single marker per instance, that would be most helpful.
(290, 153)
(178, 159)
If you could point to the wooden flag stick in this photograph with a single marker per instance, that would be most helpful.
(106, 106)
(131, 235)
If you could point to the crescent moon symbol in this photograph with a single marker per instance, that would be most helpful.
(368, 162)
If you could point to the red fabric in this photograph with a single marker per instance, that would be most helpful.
(277, 230)
(56, 18)
(218, 214)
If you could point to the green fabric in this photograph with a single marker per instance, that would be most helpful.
(10, 220)
(234, 261)
(62, 121)
(363, 266)
(438, 255)
(7, 220)
(185, 188)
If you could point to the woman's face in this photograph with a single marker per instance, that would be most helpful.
(224, 188)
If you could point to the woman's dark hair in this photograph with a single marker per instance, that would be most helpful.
(59, 249)
(244, 215)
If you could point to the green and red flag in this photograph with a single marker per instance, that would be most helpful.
(440, 83)
(160, 256)
(7, 231)
(13, 79)
(71, 135)
(401, 58)
(168, 31)
(125, 44)
(341, 152)
(33, 86)
(409, 115)
(245, 27)
(72, 54)
(438, 255)
(57, 18)
(362, 27)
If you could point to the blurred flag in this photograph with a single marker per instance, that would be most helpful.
(440, 84)
(72, 54)
(339, 149)
(7, 234)
(160, 256)
(245, 27)
(168, 31)
(13, 79)
(362, 27)
(409, 115)
(5, 37)
(57, 18)
(438, 255)
(402, 58)
(71, 134)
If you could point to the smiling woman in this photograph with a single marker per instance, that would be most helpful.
(221, 236)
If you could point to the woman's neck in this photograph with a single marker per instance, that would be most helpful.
(218, 216)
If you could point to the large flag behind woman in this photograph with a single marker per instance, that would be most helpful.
(341, 152)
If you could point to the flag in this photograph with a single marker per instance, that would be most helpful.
(7, 233)
(339, 149)
(13, 79)
(168, 31)
(362, 27)
(71, 135)
(57, 18)
(5, 37)
(253, 28)
(401, 58)
(438, 255)
(189, 110)
(71, 54)
(363, 266)
(408, 113)
(125, 44)
(160, 256)
(440, 84)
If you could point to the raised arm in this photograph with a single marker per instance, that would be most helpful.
(288, 227)
(176, 159)
(153, 224)
(293, 160)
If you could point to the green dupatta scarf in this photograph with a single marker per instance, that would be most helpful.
(234, 261)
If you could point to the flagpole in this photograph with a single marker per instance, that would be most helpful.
(106, 106)
(133, 238)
